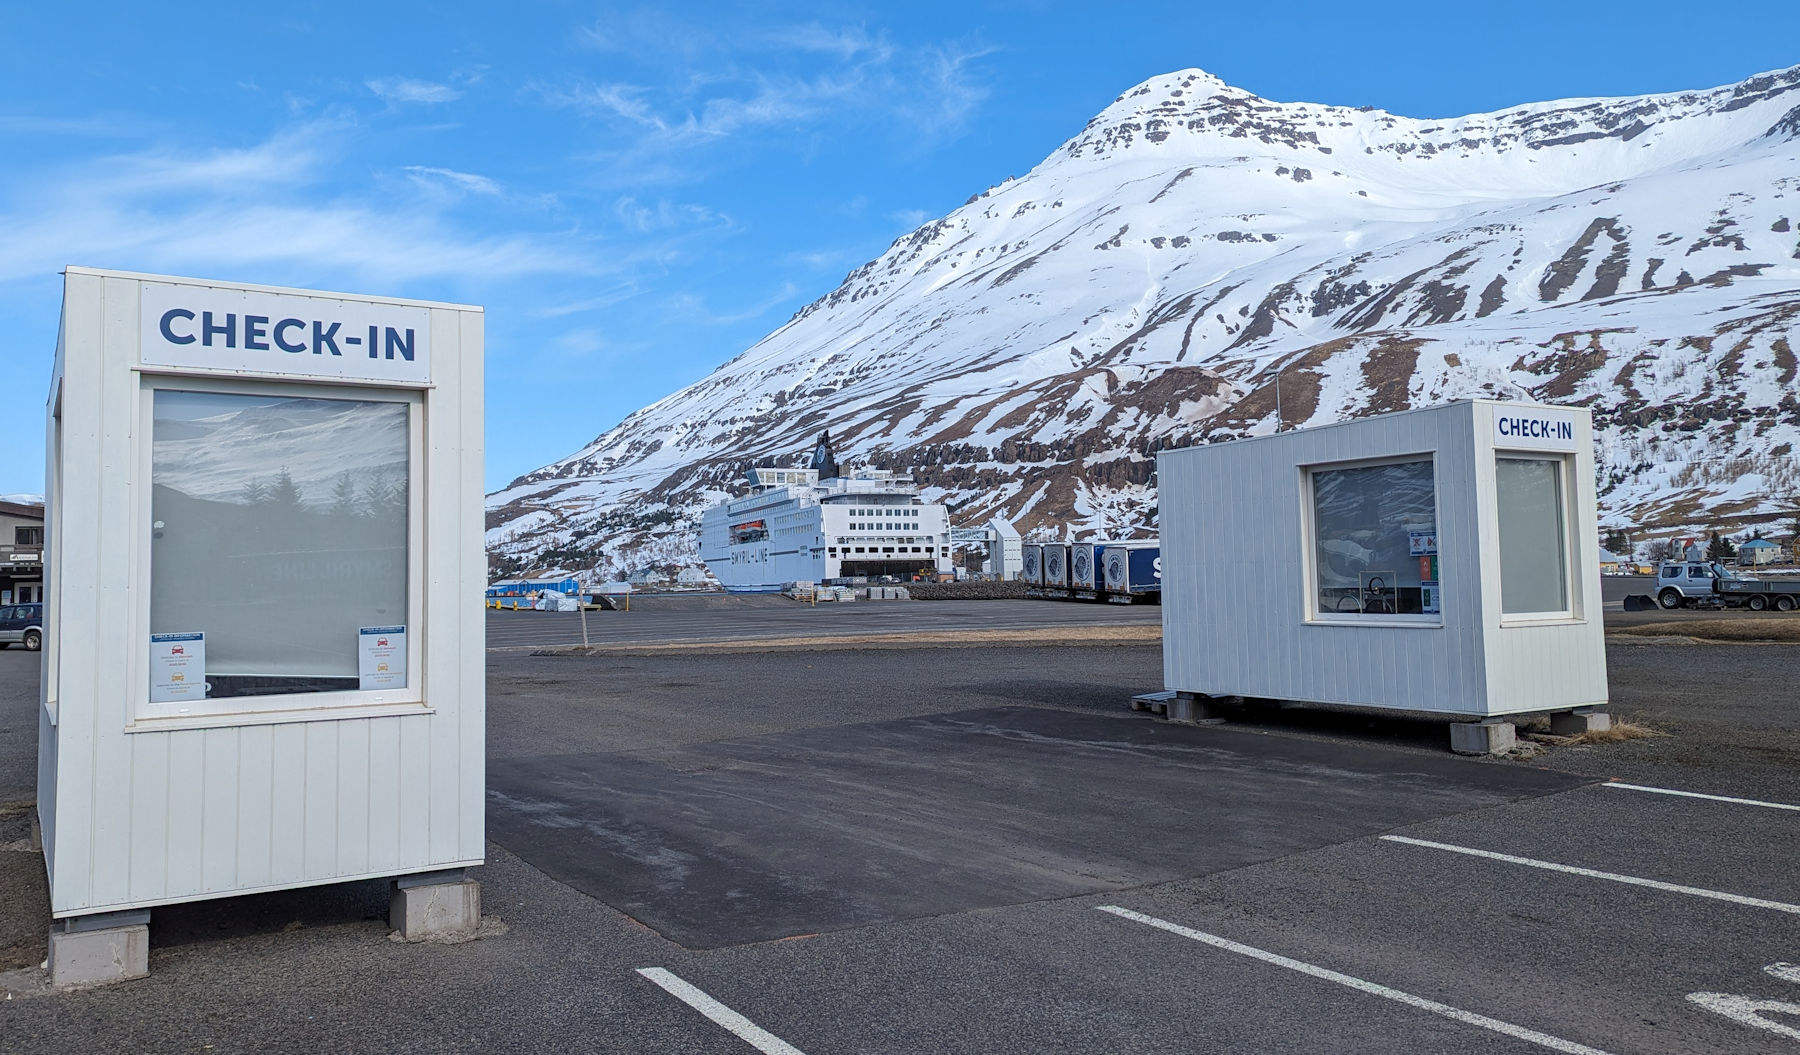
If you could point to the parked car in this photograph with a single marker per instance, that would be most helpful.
(22, 624)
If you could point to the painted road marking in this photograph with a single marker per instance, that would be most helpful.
(1654, 884)
(1372, 988)
(1746, 1010)
(739, 1026)
(1698, 795)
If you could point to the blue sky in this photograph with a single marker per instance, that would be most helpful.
(638, 192)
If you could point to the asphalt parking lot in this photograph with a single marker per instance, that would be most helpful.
(982, 850)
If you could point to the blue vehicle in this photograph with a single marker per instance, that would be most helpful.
(22, 624)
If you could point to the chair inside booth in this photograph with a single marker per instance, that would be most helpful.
(1375, 548)
(279, 532)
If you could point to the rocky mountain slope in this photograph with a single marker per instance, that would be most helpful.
(1200, 263)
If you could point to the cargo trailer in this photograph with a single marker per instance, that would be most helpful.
(1133, 571)
(1087, 574)
(1056, 569)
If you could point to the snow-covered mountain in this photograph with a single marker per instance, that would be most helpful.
(1200, 263)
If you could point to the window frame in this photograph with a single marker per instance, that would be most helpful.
(1571, 551)
(144, 716)
(1309, 580)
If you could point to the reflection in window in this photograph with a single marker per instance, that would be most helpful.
(1533, 566)
(1375, 540)
(279, 530)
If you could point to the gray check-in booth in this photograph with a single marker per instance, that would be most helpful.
(264, 663)
(1437, 562)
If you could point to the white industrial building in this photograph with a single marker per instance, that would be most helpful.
(798, 527)
(1438, 561)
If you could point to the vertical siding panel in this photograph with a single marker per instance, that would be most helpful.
(149, 803)
(80, 820)
(415, 791)
(287, 785)
(111, 568)
(384, 794)
(353, 794)
(320, 784)
(187, 810)
(255, 813)
(219, 820)
(443, 546)
(471, 648)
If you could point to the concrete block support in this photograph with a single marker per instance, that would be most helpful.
(1492, 736)
(1579, 721)
(437, 906)
(1191, 708)
(95, 950)
(35, 841)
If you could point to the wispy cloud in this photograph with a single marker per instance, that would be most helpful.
(396, 90)
(718, 84)
(822, 259)
(844, 42)
(269, 204)
(694, 307)
(664, 215)
(429, 176)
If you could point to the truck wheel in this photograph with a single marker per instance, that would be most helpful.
(1784, 604)
(1757, 604)
(33, 640)
(1669, 598)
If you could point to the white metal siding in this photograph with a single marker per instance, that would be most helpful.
(1530, 667)
(1235, 581)
(151, 817)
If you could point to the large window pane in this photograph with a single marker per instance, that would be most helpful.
(1375, 540)
(1533, 547)
(279, 531)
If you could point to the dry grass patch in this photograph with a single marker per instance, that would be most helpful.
(1133, 634)
(1621, 730)
(1779, 629)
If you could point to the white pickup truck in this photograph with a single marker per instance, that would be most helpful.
(1681, 583)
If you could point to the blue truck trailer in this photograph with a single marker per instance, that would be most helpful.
(1133, 572)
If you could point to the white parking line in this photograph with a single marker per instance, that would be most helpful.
(1699, 795)
(739, 1026)
(1371, 988)
(1654, 884)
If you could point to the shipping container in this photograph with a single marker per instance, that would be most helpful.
(1032, 557)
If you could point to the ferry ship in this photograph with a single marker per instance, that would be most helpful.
(819, 523)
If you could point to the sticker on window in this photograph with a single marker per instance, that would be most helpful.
(381, 657)
(177, 667)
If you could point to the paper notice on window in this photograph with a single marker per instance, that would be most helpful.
(381, 657)
(177, 667)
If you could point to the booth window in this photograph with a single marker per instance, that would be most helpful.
(279, 531)
(1534, 564)
(1374, 540)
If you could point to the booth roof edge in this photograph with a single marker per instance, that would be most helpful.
(257, 287)
(1446, 405)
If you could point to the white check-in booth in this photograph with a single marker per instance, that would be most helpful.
(264, 666)
(1437, 562)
